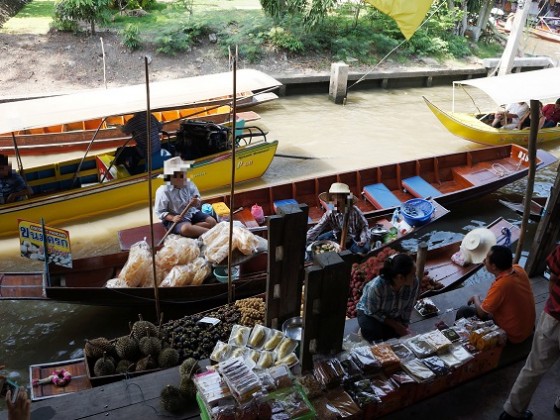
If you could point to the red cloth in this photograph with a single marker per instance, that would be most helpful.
(552, 305)
(512, 305)
(551, 113)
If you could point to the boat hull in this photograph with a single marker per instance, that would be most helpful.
(211, 172)
(468, 127)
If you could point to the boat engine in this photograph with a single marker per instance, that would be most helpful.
(197, 139)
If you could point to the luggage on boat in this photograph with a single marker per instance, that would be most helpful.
(197, 139)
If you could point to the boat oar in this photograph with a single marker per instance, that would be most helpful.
(294, 156)
(175, 223)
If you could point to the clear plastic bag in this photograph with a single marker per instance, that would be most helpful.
(137, 271)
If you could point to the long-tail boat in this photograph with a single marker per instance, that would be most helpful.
(510, 88)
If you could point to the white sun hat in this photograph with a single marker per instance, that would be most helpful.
(175, 164)
(339, 188)
(476, 244)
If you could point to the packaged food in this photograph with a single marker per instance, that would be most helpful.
(426, 307)
(137, 271)
(239, 335)
(252, 355)
(290, 360)
(328, 371)
(402, 352)
(258, 336)
(420, 347)
(221, 352)
(211, 387)
(389, 360)
(266, 360)
(281, 376)
(450, 361)
(401, 378)
(242, 381)
(382, 386)
(365, 360)
(362, 393)
(286, 346)
(273, 340)
(436, 365)
(340, 402)
(437, 340)
(460, 353)
(289, 403)
(418, 370)
(238, 352)
(451, 334)
(310, 385)
(353, 372)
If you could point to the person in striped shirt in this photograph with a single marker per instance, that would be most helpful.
(387, 300)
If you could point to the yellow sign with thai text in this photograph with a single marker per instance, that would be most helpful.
(32, 243)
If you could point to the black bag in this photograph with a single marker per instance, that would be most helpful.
(197, 139)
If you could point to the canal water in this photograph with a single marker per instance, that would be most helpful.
(316, 137)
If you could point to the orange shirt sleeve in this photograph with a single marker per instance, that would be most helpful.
(494, 298)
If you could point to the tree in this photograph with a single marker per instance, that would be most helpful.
(89, 11)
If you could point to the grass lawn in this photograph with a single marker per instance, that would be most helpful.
(36, 16)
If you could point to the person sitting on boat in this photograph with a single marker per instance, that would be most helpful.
(509, 119)
(552, 114)
(137, 126)
(358, 235)
(509, 301)
(12, 185)
(178, 203)
(525, 121)
(387, 300)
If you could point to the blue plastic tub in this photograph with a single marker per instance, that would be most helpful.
(417, 212)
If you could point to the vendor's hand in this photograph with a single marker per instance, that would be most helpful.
(471, 300)
(361, 243)
(401, 330)
(195, 202)
(21, 408)
(176, 219)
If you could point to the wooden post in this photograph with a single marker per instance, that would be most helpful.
(338, 83)
(421, 255)
(286, 255)
(324, 310)
(547, 232)
(532, 150)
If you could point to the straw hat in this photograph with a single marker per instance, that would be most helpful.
(476, 244)
(175, 164)
(339, 188)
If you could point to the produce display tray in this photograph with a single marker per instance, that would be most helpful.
(420, 307)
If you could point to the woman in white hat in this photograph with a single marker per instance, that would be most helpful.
(387, 301)
(331, 225)
(178, 203)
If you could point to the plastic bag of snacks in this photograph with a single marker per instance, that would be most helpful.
(176, 250)
(137, 271)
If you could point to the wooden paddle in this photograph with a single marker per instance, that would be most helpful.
(344, 233)
(175, 223)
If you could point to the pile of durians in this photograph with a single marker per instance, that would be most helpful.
(142, 349)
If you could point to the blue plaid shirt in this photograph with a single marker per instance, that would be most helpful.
(379, 300)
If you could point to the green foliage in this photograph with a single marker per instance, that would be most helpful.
(89, 11)
(130, 37)
(285, 40)
(180, 36)
(132, 4)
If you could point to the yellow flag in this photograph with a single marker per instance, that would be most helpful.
(407, 13)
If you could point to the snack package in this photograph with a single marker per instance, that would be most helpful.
(242, 381)
(311, 386)
(340, 402)
(420, 347)
(137, 271)
(389, 360)
(273, 340)
(362, 393)
(266, 360)
(366, 361)
(436, 365)
(418, 370)
(328, 371)
(176, 250)
(221, 352)
(116, 283)
(438, 340)
(259, 336)
(185, 275)
(216, 242)
(239, 335)
(382, 386)
(290, 360)
(286, 346)
(282, 376)
(401, 378)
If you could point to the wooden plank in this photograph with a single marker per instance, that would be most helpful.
(286, 254)
(324, 310)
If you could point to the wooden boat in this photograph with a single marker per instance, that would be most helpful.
(55, 124)
(38, 372)
(547, 28)
(537, 207)
(77, 137)
(440, 268)
(515, 87)
(84, 284)
(78, 189)
(449, 179)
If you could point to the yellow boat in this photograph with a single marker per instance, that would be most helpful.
(81, 188)
(61, 199)
(471, 127)
(507, 89)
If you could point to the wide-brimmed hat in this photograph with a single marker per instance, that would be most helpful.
(175, 164)
(476, 244)
(339, 188)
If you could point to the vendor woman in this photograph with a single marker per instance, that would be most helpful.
(387, 301)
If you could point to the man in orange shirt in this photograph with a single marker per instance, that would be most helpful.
(509, 302)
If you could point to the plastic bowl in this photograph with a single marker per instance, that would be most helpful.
(221, 274)
(417, 212)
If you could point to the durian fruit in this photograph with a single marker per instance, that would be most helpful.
(188, 388)
(146, 363)
(127, 348)
(95, 348)
(141, 328)
(104, 366)
(188, 367)
(168, 357)
(149, 344)
(125, 366)
(172, 400)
